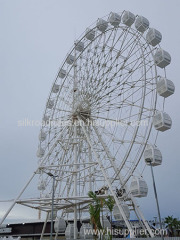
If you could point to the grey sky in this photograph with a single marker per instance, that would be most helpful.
(34, 39)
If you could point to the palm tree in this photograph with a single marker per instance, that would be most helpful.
(110, 204)
(96, 208)
(94, 211)
(172, 224)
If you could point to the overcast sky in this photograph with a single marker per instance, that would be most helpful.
(35, 36)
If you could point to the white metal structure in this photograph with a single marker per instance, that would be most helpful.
(99, 117)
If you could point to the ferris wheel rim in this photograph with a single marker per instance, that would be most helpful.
(71, 51)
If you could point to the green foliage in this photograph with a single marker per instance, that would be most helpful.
(172, 224)
(110, 203)
(95, 210)
(96, 207)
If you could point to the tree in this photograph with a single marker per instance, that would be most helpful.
(96, 208)
(94, 211)
(172, 224)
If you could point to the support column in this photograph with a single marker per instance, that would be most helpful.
(157, 202)
(44, 226)
(75, 179)
(90, 170)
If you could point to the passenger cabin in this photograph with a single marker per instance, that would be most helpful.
(42, 136)
(128, 18)
(102, 25)
(152, 155)
(40, 152)
(162, 58)
(86, 227)
(46, 118)
(55, 88)
(79, 46)
(162, 121)
(62, 73)
(69, 233)
(118, 215)
(90, 34)
(59, 225)
(141, 24)
(138, 187)
(153, 37)
(50, 104)
(165, 87)
(70, 59)
(114, 19)
(41, 185)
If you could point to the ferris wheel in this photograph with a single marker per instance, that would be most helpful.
(102, 118)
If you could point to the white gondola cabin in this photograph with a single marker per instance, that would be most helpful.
(70, 59)
(86, 227)
(90, 34)
(55, 88)
(141, 24)
(162, 58)
(41, 185)
(102, 25)
(128, 18)
(42, 136)
(152, 155)
(46, 118)
(118, 215)
(153, 37)
(40, 152)
(162, 121)
(59, 225)
(62, 73)
(50, 104)
(79, 46)
(114, 19)
(165, 87)
(138, 187)
(69, 233)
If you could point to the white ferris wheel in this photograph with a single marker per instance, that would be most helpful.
(102, 118)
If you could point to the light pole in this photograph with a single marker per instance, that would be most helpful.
(156, 197)
(52, 205)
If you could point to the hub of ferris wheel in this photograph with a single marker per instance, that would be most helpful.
(82, 110)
